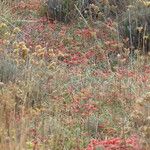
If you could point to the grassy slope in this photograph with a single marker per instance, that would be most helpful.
(59, 89)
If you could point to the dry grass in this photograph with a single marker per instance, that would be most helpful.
(61, 86)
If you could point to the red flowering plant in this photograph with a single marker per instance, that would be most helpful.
(27, 5)
(131, 143)
(82, 103)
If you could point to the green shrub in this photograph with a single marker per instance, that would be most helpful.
(135, 24)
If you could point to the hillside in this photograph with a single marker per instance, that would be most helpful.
(75, 78)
